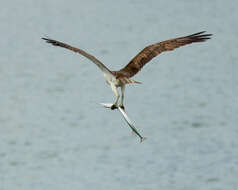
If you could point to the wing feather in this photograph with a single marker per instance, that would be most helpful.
(80, 51)
(151, 51)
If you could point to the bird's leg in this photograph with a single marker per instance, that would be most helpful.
(122, 96)
(115, 91)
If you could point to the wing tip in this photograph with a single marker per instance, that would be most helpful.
(43, 38)
(198, 37)
(48, 40)
(201, 34)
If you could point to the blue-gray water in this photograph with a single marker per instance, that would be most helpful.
(53, 133)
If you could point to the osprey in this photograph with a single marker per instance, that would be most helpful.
(122, 77)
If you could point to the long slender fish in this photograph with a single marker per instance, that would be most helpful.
(129, 122)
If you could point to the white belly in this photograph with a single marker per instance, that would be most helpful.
(111, 79)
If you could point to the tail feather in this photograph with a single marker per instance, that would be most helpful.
(126, 80)
(137, 82)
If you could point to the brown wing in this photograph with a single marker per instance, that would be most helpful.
(148, 53)
(77, 50)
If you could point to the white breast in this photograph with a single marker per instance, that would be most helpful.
(111, 79)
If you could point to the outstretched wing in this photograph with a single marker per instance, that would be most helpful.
(148, 53)
(77, 50)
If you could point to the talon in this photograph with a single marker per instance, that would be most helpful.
(114, 107)
(122, 107)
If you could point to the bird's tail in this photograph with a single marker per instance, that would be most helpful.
(126, 80)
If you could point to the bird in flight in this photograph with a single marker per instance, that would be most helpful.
(123, 77)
